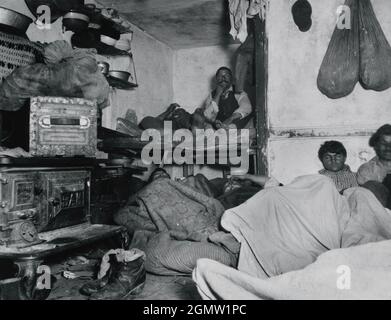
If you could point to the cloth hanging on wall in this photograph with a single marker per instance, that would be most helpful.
(240, 10)
(258, 7)
(238, 17)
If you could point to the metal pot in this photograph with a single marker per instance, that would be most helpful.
(67, 5)
(14, 20)
(75, 21)
(122, 75)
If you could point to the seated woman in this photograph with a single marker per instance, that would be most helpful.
(373, 175)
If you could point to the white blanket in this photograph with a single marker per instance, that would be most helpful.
(362, 272)
(286, 228)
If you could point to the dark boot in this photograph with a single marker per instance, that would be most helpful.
(128, 279)
(95, 286)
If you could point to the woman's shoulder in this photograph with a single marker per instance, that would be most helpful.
(369, 164)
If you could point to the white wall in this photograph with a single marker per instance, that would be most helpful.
(194, 71)
(154, 70)
(297, 109)
(193, 79)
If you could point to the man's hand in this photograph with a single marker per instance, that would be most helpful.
(221, 125)
(259, 180)
(218, 93)
(235, 116)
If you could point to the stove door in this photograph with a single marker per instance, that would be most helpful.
(67, 200)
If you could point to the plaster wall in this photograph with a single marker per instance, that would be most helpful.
(300, 116)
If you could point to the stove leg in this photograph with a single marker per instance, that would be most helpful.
(27, 272)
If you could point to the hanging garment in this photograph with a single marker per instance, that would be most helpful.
(238, 17)
(258, 7)
(244, 62)
(240, 10)
(340, 69)
(375, 51)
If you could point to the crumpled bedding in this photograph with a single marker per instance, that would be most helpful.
(356, 273)
(286, 228)
(283, 229)
(166, 205)
(176, 224)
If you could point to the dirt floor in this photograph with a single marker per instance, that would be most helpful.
(156, 288)
(84, 263)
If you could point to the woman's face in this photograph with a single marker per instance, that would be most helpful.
(383, 148)
(333, 161)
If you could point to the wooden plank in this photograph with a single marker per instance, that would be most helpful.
(132, 6)
(78, 236)
(261, 76)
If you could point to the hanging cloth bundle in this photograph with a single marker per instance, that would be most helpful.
(240, 10)
(375, 51)
(340, 71)
(361, 53)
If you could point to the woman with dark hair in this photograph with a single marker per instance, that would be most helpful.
(373, 174)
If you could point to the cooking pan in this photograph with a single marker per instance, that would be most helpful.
(15, 21)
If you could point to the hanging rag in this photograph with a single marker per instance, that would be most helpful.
(238, 17)
(258, 7)
(240, 10)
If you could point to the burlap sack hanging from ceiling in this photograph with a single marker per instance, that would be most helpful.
(340, 69)
(375, 51)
